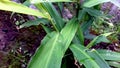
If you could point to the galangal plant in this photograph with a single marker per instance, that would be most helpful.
(64, 34)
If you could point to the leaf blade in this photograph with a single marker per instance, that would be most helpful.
(34, 22)
(91, 3)
(19, 8)
(98, 39)
(79, 52)
(53, 48)
(109, 55)
(90, 58)
(40, 1)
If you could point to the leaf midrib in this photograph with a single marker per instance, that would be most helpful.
(52, 49)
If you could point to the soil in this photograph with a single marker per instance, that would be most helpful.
(17, 45)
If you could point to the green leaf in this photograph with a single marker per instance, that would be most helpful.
(39, 1)
(79, 52)
(47, 29)
(69, 32)
(48, 55)
(27, 3)
(81, 14)
(114, 64)
(79, 36)
(91, 3)
(52, 49)
(94, 12)
(56, 18)
(98, 39)
(90, 58)
(98, 58)
(86, 25)
(61, 6)
(19, 8)
(35, 22)
(109, 55)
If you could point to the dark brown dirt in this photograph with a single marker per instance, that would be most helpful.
(17, 45)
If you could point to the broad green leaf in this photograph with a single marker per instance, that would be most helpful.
(93, 12)
(86, 25)
(41, 7)
(69, 32)
(35, 22)
(56, 18)
(80, 36)
(98, 39)
(90, 58)
(81, 15)
(91, 3)
(98, 58)
(114, 64)
(79, 52)
(48, 55)
(27, 3)
(39, 1)
(61, 6)
(19, 8)
(47, 38)
(52, 49)
(109, 55)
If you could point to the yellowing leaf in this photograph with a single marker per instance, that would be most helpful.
(19, 8)
(38, 1)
